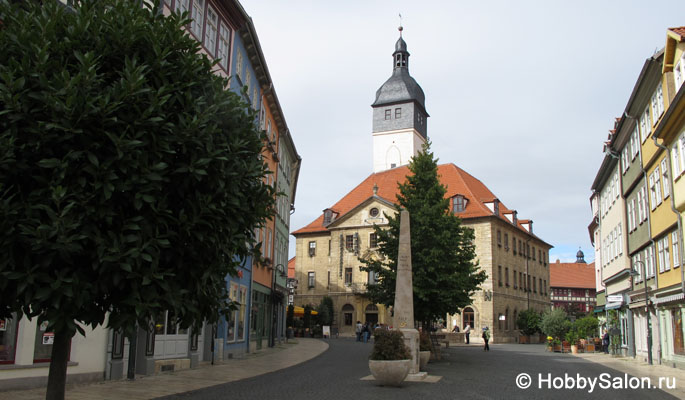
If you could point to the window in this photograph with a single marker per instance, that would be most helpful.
(657, 104)
(348, 276)
(676, 249)
(374, 212)
(327, 217)
(533, 253)
(43, 343)
(8, 339)
(515, 286)
(198, 17)
(506, 276)
(398, 113)
(349, 242)
(645, 127)
(652, 191)
(649, 261)
(657, 185)
(663, 255)
(388, 114)
(634, 143)
(513, 244)
(540, 284)
(181, 6)
(625, 158)
(348, 310)
(373, 241)
(521, 248)
(528, 282)
(458, 204)
(540, 256)
(224, 45)
(678, 74)
(211, 30)
(312, 249)
(676, 159)
(372, 278)
(535, 290)
(544, 282)
(311, 279)
(506, 241)
(665, 183)
(231, 318)
(521, 281)
(329, 247)
(499, 275)
(499, 238)
(631, 215)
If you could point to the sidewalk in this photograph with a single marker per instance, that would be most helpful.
(642, 369)
(149, 387)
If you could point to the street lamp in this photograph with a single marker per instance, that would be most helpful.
(281, 270)
(634, 272)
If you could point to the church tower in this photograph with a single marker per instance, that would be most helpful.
(399, 115)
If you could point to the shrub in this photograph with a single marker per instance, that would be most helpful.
(587, 326)
(555, 323)
(389, 345)
(528, 322)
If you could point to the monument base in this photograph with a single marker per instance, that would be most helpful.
(411, 339)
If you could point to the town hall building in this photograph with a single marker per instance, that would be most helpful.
(329, 248)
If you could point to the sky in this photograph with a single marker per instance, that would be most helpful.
(521, 94)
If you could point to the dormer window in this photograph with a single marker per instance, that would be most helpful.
(327, 216)
(458, 203)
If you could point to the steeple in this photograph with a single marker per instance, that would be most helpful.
(399, 114)
(580, 257)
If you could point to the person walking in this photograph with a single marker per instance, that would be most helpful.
(365, 331)
(358, 331)
(486, 338)
(605, 341)
(467, 332)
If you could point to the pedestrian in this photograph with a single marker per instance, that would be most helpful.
(486, 338)
(605, 341)
(358, 331)
(365, 331)
(456, 328)
(467, 332)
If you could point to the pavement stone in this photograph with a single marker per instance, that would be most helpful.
(206, 375)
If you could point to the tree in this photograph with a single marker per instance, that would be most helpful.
(445, 274)
(555, 323)
(325, 310)
(130, 178)
(528, 321)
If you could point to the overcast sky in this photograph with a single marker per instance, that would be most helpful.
(521, 94)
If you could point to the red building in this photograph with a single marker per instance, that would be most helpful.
(572, 285)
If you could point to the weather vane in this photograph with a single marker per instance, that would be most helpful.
(400, 28)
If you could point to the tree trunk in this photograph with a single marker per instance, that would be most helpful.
(57, 376)
(132, 352)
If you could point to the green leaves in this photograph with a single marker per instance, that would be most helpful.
(129, 179)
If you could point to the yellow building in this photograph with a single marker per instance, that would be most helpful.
(669, 135)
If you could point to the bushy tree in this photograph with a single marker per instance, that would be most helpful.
(587, 327)
(555, 323)
(528, 322)
(325, 310)
(130, 178)
(445, 273)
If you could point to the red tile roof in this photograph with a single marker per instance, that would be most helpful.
(572, 275)
(454, 178)
(291, 268)
(679, 30)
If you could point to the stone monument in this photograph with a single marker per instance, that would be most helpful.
(403, 310)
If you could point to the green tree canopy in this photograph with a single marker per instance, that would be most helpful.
(130, 178)
(445, 273)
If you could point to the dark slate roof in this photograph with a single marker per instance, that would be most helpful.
(400, 87)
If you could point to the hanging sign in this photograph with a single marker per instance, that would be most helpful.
(615, 298)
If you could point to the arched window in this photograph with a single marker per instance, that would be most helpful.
(468, 317)
(348, 311)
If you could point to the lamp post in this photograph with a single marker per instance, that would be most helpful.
(634, 272)
(274, 318)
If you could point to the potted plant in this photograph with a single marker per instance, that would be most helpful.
(390, 359)
(528, 322)
(550, 343)
(572, 338)
(557, 345)
(424, 349)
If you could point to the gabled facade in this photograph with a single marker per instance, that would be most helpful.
(668, 135)
(328, 249)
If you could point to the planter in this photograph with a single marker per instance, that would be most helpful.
(557, 348)
(574, 349)
(590, 348)
(424, 356)
(389, 372)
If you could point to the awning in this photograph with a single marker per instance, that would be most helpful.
(613, 306)
(668, 299)
(598, 309)
(299, 311)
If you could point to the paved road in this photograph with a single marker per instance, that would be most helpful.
(467, 373)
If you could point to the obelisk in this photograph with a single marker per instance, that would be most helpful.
(403, 309)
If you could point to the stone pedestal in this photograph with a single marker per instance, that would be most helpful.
(411, 339)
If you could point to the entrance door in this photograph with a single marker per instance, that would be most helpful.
(677, 316)
(171, 341)
(371, 314)
(467, 317)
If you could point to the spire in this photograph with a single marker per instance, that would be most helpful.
(401, 55)
(580, 257)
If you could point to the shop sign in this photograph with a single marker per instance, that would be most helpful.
(615, 298)
(48, 338)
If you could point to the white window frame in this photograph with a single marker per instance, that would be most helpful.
(198, 15)
(619, 239)
(667, 254)
(649, 257)
(657, 185)
(678, 74)
(676, 249)
(211, 31)
(645, 126)
(625, 159)
(181, 6)
(635, 143)
(660, 255)
(665, 180)
(224, 48)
